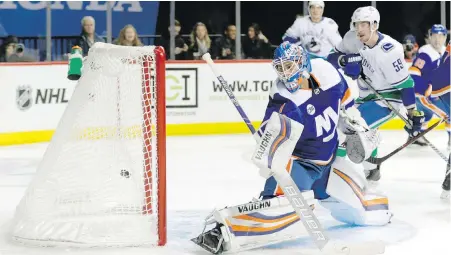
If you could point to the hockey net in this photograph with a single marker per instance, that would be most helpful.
(101, 181)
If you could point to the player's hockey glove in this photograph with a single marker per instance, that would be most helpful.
(416, 119)
(352, 65)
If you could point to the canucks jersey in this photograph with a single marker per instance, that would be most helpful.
(318, 38)
(422, 68)
(383, 66)
(317, 108)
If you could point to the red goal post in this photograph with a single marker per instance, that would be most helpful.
(102, 179)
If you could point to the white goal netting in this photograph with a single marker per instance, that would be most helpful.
(98, 183)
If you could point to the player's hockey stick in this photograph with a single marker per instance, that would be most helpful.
(294, 195)
(402, 118)
(410, 141)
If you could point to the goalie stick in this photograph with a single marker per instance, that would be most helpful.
(402, 118)
(294, 195)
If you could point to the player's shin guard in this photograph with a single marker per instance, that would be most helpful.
(350, 200)
(252, 225)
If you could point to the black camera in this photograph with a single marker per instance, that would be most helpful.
(20, 48)
(408, 47)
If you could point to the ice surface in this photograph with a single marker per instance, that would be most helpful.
(206, 172)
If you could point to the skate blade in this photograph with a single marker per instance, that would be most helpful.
(207, 248)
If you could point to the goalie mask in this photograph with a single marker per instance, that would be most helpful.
(292, 65)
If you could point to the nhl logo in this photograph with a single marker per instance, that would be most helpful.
(23, 97)
(316, 91)
(310, 109)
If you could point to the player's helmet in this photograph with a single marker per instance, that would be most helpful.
(292, 64)
(367, 13)
(438, 41)
(438, 29)
(318, 3)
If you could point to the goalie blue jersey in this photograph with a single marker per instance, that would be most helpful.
(317, 108)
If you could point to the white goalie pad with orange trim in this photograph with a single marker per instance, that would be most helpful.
(351, 201)
(258, 223)
(277, 144)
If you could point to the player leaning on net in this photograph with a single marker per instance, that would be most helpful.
(315, 33)
(429, 58)
(379, 60)
(314, 94)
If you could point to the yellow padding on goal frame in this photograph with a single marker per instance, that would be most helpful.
(171, 130)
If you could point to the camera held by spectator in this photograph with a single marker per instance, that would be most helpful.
(13, 51)
(410, 46)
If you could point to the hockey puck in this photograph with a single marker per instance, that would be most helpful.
(125, 173)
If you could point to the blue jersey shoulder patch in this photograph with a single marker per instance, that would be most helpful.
(387, 47)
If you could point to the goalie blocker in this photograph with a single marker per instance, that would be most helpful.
(270, 221)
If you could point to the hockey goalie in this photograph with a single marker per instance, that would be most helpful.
(309, 105)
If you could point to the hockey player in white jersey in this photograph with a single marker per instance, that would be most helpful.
(379, 61)
(309, 102)
(318, 34)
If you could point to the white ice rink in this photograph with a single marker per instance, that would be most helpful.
(215, 171)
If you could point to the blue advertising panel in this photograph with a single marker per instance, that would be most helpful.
(28, 18)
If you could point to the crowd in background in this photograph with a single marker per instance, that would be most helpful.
(255, 45)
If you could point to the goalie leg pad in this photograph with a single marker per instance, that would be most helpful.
(252, 225)
(350, 201)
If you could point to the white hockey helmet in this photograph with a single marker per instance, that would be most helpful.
(318, 3)
(367, 13)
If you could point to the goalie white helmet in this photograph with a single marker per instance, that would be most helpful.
(367, 13)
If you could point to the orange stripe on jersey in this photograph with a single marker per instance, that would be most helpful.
(346, 97)
(415, 70)
(428, 90)
(432, 107)
(441, 91)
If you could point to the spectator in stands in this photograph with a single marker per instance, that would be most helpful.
(13, 51)
(200, 41)
(128, 37)
(256, 45)
(224, 47)
(88, 35)
(5, 48)
(410, 46)
(181, 47)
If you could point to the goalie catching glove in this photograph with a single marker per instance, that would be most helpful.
(360, 141)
